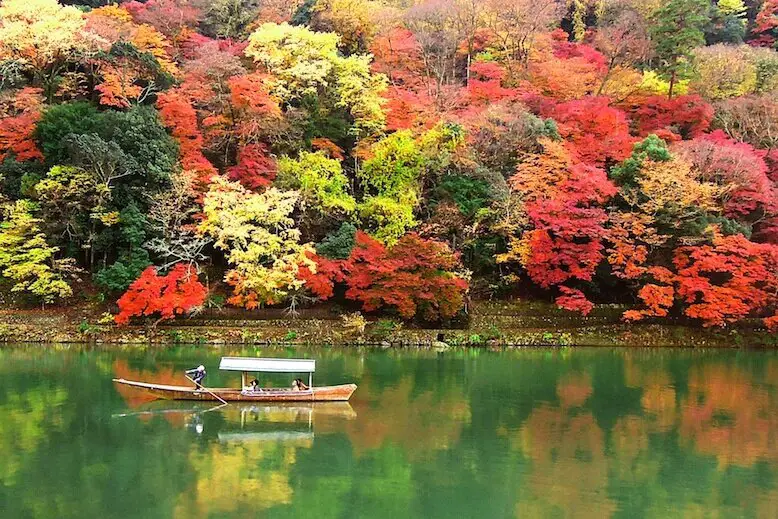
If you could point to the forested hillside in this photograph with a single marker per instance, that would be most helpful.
(400, 156)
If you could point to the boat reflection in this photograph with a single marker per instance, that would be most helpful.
(292, 422)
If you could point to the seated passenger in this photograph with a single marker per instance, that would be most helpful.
(254, 385)
(299, 385)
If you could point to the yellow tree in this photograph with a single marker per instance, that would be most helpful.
(42, 35)
(260, 240)
(306, 64)
(25, 257)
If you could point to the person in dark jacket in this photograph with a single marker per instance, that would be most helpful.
(197, 375)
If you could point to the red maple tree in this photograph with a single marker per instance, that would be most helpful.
(180, 118)
(414, 277)
(20, 115)
(685, 116)
(598, 132)
(717, 283)
(765, 30)
(177, 292)
(255, 169)
(564, 199)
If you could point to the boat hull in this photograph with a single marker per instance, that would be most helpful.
(339, 393)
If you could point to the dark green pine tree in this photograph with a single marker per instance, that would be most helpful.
(678, 28)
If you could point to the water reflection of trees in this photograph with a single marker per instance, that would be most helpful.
(248, 477)
(530, 433)
(729, 415)
(418, 421)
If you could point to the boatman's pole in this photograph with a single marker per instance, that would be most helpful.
(217, 397)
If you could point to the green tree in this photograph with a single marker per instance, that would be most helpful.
(59, 121)
(678, 28)
(320, 181)
(338, 244)
(69, 199)
(229, 18)
(25, 257)
(125, 239)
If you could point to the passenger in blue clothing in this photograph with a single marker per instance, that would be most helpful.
(197, 375)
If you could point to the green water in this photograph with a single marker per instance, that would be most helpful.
(527, 433)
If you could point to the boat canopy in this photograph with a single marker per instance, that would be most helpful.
(253, 364)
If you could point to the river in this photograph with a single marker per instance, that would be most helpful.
(466, 433)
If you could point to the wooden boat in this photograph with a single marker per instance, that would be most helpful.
(247, 365)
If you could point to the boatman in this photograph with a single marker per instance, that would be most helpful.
(197, 375)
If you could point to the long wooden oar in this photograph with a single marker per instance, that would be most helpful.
(217, 397)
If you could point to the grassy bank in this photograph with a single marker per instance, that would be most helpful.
(491, 324)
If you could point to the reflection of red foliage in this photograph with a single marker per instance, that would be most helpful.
(178, 292)
(136, 398)
(413, 277)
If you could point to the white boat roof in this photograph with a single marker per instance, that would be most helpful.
(268, 365)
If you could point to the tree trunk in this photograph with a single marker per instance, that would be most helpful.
(672, 84)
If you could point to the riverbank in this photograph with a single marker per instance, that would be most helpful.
(492, 324)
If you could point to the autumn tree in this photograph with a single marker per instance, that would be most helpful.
(681, 117)
(392, 176)
(259, 239)
(27, 260)
(170, 17)
(176, 293)
(765, 30)
(514, 26)
(435, 27)
(413, 277)
(723, 71)
(19, 114)
(307, 66)
(255, 169)
(738, 168)
(751, 119)
(677, 28)
(320, 181)
(230, 18)
(502, 132)
(172, 218)
(717, 283)
(180, 118)
(598, 132)
(565, 70)
(563, 199)
(622, 37)
(43, 36)
(72, 204)
(351, 19)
